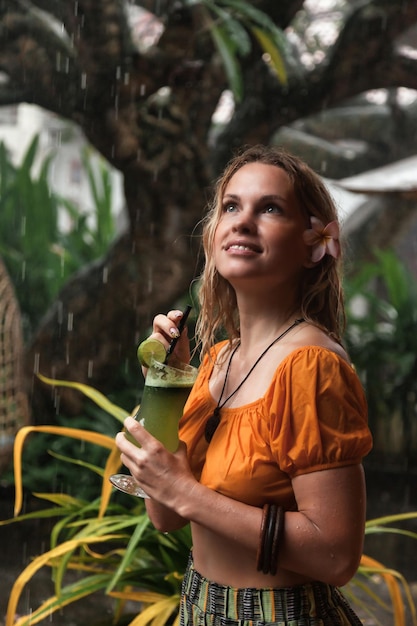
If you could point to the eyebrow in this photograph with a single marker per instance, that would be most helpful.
(268, 198)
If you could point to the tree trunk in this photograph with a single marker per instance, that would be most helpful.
(161, 142)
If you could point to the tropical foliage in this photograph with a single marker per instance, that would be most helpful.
(117, 551)
(233, 24)
(382, 341)
(39, 253)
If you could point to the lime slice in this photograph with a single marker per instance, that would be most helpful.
(149, 350)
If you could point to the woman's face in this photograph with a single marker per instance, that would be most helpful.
(259, 236)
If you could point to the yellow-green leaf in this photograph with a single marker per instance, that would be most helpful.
(112, 466)
(36, 565)
(62, 499)
(389, 577)
(94, 395)
(76, 433)
(269, 46)
(158, 613)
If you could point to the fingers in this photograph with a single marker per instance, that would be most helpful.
(156, 469)
(137, 431)
(132, 455)
(165, 329)
(166, 326)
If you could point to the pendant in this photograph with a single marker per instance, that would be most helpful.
(211, 424)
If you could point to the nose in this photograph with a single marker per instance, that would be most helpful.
(244, 222)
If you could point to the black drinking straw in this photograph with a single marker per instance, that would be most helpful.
(181, 325)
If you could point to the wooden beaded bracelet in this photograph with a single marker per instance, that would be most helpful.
(269, 537)
(260, 553)
(272, 526)
(278, 530)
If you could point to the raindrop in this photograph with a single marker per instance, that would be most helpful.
(118, 72)
(57, 402)
(105, 275)
(126, 78)
(70, 325)
(60, 313)
(150, 281)
(142, 90)
(90, 369)
(76, 7)
(83, 80)
(36, 363)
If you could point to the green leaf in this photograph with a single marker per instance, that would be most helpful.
(94, 468)
(96, 396)
(231, 65)
(136, 537)
(268, 44)
(234, 31)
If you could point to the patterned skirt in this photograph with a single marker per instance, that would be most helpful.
(204, 603)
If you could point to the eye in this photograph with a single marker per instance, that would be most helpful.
(272, 208)
(229, 207)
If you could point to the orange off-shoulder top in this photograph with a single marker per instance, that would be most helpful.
(312, 417)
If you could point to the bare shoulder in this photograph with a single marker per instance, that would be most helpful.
(310, 335)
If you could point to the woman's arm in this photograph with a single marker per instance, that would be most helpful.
(323, 540)
(157, 471)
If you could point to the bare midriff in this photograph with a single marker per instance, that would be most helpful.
(227, 563)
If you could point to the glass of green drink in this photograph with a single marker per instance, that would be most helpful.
(164, 395)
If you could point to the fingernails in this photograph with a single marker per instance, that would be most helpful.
(174, 332)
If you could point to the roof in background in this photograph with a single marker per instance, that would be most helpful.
(398, 177)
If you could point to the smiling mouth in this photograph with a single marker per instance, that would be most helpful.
(243, 247)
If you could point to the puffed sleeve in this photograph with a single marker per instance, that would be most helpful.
(318, 413)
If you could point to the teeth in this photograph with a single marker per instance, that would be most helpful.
(236, 247)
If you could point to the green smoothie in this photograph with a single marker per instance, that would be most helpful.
(164, 396)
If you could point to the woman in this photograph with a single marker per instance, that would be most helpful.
(269, 474)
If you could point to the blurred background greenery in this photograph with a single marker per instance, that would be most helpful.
(144, 102)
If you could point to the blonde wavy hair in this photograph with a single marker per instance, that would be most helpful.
(321, 296)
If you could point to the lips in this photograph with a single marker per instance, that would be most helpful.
(242, 246)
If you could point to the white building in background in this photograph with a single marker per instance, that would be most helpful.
(19, 124)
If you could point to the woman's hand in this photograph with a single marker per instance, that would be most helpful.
(164, 476)
(165, 329)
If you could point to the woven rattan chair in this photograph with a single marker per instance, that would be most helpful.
(14, 409)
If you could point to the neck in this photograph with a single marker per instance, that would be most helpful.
(260, 324)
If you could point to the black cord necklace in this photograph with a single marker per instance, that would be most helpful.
(214, 420)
